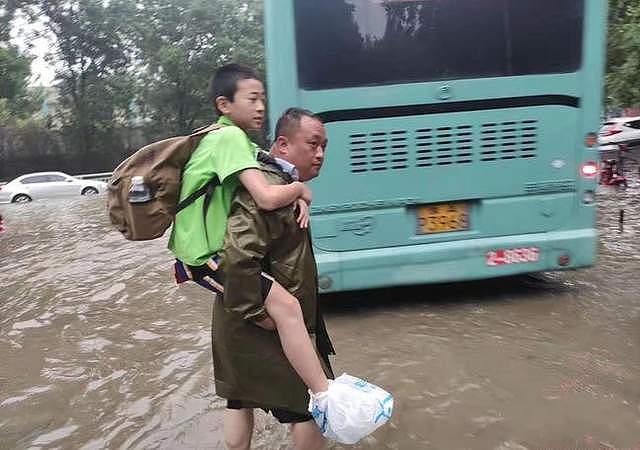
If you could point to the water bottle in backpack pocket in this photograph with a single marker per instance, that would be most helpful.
(139, 192)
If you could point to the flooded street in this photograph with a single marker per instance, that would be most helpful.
(100, 349)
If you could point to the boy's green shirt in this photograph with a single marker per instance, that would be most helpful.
(225, 153)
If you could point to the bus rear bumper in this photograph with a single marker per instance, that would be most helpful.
(451, 261)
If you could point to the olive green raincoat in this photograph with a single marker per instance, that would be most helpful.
(249, 363)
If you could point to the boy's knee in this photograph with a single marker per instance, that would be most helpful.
(292, 306)
(237, 444)
(238, 428)
(238, 441)
(307, 436)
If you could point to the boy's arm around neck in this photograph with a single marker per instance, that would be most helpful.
(269, 197)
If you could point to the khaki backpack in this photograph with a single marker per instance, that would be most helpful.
(160, 164)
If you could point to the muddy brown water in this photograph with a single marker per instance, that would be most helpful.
(100, 349)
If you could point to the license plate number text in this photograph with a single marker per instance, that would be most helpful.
(512, 256)
(442, 218)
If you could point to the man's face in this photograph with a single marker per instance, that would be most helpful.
(307, 147)
(248, 105)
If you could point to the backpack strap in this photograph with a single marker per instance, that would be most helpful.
(206, 189)
(204, 130)
(209, 187)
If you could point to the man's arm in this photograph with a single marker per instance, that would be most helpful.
(271, 196)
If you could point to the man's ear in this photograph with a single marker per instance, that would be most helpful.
(222, 103)
(282, 144)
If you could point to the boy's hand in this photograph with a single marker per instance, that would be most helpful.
(303, 215)
(266, 324)
(307, 196)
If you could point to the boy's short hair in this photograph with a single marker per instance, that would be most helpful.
(224, 82)
(289, 121)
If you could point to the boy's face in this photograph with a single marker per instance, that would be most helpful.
(247, 107)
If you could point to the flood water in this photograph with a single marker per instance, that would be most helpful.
(100, 349)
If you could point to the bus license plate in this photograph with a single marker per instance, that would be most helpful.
(442, 218)
(512, 256)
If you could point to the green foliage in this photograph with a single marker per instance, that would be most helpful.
(179, 47)
(93, 61)
(7, 13)
(14, 73)
(158, 53)
(6, 115)
(623, 58)
(17, 101)
(125, 63)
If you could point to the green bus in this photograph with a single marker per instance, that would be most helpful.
(462, 133)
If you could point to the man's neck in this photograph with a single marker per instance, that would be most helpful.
(285, 164)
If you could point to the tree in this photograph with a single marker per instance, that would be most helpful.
(16, 100)
(119, 61)
(7, 13)
(180, 44)
(93, 61)
(623, 53)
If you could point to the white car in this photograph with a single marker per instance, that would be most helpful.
(40, 185)
(622, 130)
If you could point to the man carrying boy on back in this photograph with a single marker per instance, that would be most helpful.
(229, 154)
(251, 369)
(255, 299)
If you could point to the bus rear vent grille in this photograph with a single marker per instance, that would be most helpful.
(508, 140)
(382, 150)
(442, 146)
(550, 187)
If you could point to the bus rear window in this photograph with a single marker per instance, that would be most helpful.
(346, 43)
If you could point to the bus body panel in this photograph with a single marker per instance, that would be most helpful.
(450, 261)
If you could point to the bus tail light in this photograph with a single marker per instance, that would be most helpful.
(589, 170)
(591, 140)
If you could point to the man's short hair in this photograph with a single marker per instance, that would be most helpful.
(225, 81)
(289, 121)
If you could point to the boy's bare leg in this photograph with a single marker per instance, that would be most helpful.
(306, 436)
(285, 311)
(238, 428)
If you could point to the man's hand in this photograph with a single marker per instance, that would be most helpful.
(307, 196)
(303, 213)
(266, 324)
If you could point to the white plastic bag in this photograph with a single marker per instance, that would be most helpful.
(350, 409)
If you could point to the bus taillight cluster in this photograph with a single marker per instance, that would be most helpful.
(589, 169)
